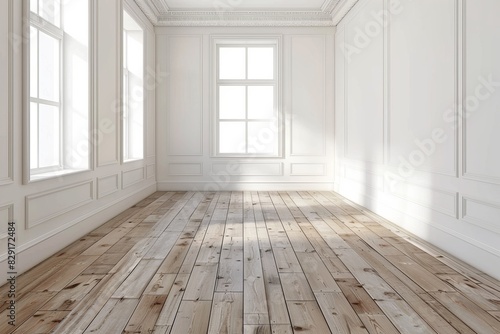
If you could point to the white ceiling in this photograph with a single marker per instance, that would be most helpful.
(244, 5)
(245, 13)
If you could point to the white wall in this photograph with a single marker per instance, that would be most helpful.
(53, 213)
(184, 113)
(405, 147)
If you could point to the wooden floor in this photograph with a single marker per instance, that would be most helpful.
(266, 262)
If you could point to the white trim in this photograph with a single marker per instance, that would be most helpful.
(244, 186)
(330, 14)
(9, 179)
(216, 41)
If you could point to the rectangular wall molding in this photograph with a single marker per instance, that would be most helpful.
(247, 169)
(6, 216)
(308, 133)
(185, 101)
(150, 171)
(439, 200)
(107, 185)
(364, 176)
(307, 169)
(481, 213)
(185, 169)
(43, 207)
(131, 177)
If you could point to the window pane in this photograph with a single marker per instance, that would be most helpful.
(133, 80)
(49, 67)
(33, 62)
(262, 137)
(261, 102)
(261, 63)
(34, 6)
(232, 137)
(134, 56)
(50, 10)
(48, 118)
(232, 102)
(232, 63)
(75, 20)
(33, 135)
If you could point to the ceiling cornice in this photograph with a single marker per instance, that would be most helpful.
(341, 9)
(160, 14)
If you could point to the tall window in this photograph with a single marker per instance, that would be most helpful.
(58, 87)
(247, 115)
(133, 89)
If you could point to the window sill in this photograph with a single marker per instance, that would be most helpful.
(54, 174)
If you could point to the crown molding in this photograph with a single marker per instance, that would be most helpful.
(158, 12)
(341, 9)
(329, 6)
(245, 19)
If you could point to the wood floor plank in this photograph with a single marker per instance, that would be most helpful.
(82, 315)
(257, 329)
(296, 287)
(72, 294)
(366, 308)
(26, 307)
(318, 276)
(255, 310)
(481, 297)
(202, 282)
(339, 314)
(397, 310)
(281, 329)
(230, 275)
(145, 314)
(104, 264)
(471, 314)
(278, 312)
(197, 243)
(404, 287)
(306, 317)
(226, 316)
(419, 274)
(42, 322)
(63, 277)
(192, 318)
(113, 317)
(136, 282)
(160, 284)
(286, 260)
(173, 301)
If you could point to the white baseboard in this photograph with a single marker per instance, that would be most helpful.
(245, 186)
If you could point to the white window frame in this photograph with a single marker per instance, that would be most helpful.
(246, 42)
(57, 33)
(124, 92)
(46, 173)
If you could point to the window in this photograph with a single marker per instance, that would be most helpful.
(58, 87)
(133, 89)
(247, 112)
